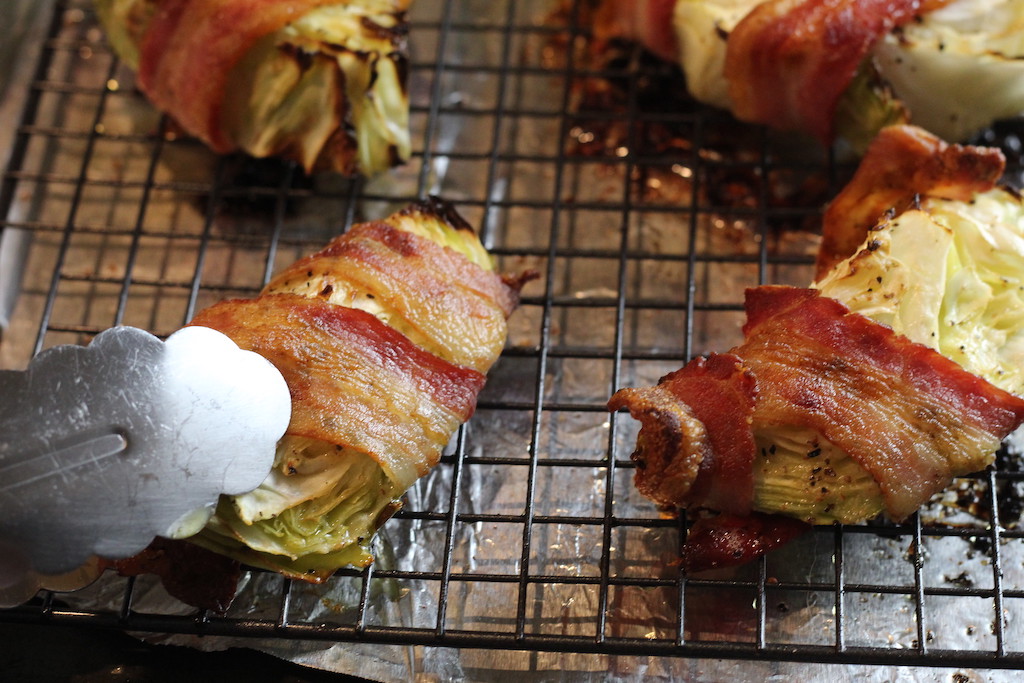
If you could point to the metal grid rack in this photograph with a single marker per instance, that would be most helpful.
(646, 215)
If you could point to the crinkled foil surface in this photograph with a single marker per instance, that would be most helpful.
(646, 216)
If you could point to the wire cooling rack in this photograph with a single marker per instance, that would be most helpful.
(646, 215)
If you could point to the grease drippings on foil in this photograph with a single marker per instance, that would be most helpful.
(628, 106)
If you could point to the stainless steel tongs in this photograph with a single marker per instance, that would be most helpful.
(103, 447)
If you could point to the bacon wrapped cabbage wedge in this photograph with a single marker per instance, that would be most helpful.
(319, 82)
(839, 69)
(900, 370)
(821, 416)
(384, 338)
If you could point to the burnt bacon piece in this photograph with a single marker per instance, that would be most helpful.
(697, 445)
(875, 405)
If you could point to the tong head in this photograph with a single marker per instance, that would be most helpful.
(103, 447)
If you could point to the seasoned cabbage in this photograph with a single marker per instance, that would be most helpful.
(801, 475)
(286, 80)
(317, 510)
(959, 68)
(949, 275)
(702, 29)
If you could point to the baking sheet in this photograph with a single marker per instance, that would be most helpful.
(646, 216)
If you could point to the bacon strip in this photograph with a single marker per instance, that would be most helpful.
(788, 62)
(697, 444)
(671, 445)
(354, 381)
(504, 290)
(911, 417)
(902, 164)
(458, 307)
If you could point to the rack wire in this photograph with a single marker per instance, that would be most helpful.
(646, 215)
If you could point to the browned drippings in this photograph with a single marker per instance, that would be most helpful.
(627, 102)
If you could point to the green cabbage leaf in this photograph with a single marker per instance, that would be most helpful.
(334, 69)
(317, 511)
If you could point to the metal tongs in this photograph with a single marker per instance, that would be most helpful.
(105, 446)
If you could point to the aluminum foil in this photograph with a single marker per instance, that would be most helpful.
(489, 120)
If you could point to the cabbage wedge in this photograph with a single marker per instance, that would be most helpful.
(900, 369)
(320, 83)
(959, 68)
(384, 338)
(945, 273)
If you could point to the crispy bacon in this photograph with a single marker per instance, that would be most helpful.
(671, 445)
(504, 289)
(911, 418)
(458, 307)
(788, 62)
(902, 164)
(359, 382)
(908, 415)
(354, 381)
(697, 443)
